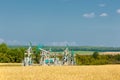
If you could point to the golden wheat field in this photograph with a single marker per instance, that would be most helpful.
(103, 72)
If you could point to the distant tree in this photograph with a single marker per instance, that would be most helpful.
(15, 55)
(3, 48)
(4, 58)
(95, 55)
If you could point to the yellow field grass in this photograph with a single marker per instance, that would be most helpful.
(110, 53)
(103, 72)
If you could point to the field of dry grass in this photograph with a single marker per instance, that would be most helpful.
(103, 72)
(110, 53)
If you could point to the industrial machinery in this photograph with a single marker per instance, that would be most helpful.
(68, 57)
(28, 56)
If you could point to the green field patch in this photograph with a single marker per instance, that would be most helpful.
(84, 52)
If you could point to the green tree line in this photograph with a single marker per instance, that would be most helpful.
(84, 48)
(97, 59)
(11, 54)
(16, 55)
(76, 48)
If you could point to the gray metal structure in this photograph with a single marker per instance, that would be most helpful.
(28, 56)
(68, 57)
(46, 58)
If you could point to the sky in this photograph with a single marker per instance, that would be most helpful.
(60, 22)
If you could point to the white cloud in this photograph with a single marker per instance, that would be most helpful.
(118, 11)
(2, 40)
(64, 43)
(89, 15)
(103, 14)
(102, 5)
(13, 42)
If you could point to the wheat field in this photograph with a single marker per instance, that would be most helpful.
(103, 72)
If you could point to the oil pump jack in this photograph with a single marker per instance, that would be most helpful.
(68, 57)
(28, 56)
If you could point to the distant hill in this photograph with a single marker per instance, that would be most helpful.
(75, 48)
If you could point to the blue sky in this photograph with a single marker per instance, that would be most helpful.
(60, 22)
